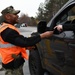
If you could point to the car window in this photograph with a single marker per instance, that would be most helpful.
(68, 16)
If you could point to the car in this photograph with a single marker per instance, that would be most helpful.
(55, 55)
(18, 25)
(24, 25)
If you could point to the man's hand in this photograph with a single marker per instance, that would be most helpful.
(46, 34)
(59, 27)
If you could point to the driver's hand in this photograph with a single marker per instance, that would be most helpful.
(59, 27)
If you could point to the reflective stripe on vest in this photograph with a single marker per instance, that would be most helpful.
(6, 45)
(3, 26)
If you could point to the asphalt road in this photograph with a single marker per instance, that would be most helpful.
(26, 31)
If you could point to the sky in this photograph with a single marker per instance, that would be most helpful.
(29, 7)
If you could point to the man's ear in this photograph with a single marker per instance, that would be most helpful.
(7, 16)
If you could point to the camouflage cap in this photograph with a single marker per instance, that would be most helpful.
(10, 10)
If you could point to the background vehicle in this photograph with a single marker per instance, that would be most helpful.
(21, 25)
(24, 25)
(55, 55)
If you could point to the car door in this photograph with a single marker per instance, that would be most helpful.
(63, 45)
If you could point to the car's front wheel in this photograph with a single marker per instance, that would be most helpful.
(35, 65)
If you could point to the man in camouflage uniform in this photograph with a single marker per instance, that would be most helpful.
(13, 45)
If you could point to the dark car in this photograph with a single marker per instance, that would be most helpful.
(55, 55)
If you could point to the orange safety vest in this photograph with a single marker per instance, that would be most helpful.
(7, 49)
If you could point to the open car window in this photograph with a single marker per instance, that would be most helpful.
(67, 18)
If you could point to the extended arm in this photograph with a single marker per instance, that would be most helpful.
(13, 37)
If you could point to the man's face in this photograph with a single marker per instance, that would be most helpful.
(11, 18)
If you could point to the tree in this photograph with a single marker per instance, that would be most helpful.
(33, 22)
(40, 14)
(49, 9)
(24, 19)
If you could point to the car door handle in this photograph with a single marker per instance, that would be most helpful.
(72, 45)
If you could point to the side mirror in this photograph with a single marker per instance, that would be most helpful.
(41, 27)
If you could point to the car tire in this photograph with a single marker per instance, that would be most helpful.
(35, 66)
